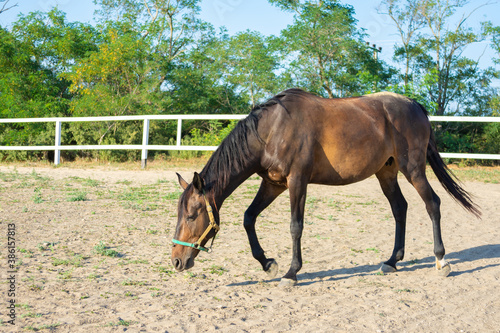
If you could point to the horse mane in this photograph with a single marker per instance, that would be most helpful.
(234, 154)
(282, 97)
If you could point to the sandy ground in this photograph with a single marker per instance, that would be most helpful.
(93, 255)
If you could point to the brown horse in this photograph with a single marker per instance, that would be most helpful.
(297, 138)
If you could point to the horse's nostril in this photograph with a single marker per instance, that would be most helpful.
(177, 264)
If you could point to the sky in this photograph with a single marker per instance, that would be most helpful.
(259, 15)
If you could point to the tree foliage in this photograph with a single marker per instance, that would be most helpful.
(159, 57)
(433, 41)
(434, 35)
(327, 52)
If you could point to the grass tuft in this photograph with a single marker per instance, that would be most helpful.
(77, 196)
(103, 250)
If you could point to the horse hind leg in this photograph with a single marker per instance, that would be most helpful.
(432, 204)
(388, 180)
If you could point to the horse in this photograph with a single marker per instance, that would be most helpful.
(296, 138)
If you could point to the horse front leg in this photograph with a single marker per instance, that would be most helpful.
(298, 189)
(265, 196)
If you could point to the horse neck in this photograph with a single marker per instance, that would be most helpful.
(236, 159)
(218, 190)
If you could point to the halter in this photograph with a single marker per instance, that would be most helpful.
(211, 226)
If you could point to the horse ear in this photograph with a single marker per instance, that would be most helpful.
(182, 182)
(198, 182)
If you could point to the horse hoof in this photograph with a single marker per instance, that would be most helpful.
(387, 269)
(445, 270)
(272, 270)
(287, 283)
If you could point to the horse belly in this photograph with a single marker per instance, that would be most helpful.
(346, 159)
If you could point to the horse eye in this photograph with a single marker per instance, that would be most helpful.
(191, 217)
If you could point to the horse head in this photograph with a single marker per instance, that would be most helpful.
(195, 224)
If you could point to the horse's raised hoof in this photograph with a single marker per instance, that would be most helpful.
(287, 283)
(445, 270)
(272, 268)
(387, 269)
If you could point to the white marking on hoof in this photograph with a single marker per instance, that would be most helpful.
(440, 263)
(273, 269)
(443, 267)
(287, 283)
(387, 269)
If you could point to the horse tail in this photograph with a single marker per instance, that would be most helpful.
(446, 177)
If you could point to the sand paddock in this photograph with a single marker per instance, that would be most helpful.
(93, 255)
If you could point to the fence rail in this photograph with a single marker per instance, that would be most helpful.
(145, 146)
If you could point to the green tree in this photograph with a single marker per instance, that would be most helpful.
(439, 75)
(23, 93)
(39, 47)
(433, 57)
(408, 19)
(141, 43)
(116, 79)
(490, 138)
(196, 84)
(494, 32)
(169, 27)
(153, 58)
(327, 54)
(449, 76)
(249, 62)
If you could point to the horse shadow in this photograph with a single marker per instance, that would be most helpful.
(490, 251)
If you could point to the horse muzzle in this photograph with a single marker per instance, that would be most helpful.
(181, 264)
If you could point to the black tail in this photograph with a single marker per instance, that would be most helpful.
(445, 178)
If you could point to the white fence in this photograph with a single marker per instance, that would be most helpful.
(145, 146)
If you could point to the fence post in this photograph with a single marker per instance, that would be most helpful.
(145, 140)
(57, 152)
(179, 132)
